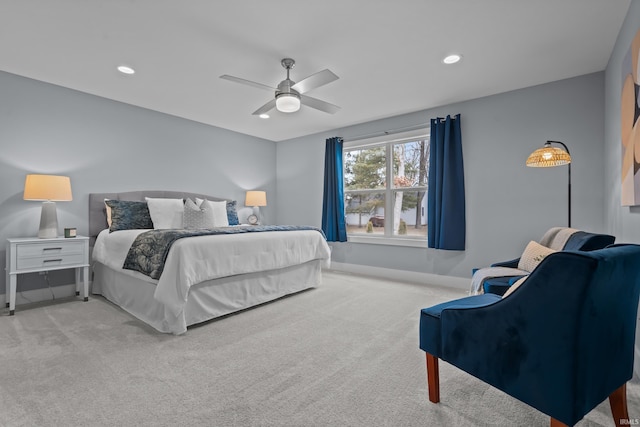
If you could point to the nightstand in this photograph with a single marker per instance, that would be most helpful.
(32, 255)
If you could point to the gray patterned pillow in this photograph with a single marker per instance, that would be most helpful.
(128, 215)
(195, 217)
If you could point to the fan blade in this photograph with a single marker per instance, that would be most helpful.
(266, 107)
(247, 82)
(318, 79)
(319, 105)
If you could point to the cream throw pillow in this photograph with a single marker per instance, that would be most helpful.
(515, 286)
(108, 210)
(533, 255)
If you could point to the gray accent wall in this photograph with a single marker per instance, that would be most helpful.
(621, 221)
(107, 146)
(508, 204)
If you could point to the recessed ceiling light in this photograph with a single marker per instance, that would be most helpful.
(124, 69)
(264, 116)
(452, 59)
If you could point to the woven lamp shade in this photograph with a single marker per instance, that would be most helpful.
(548, 156)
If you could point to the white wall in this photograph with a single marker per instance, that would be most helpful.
(621, 221)
(107, 146)
(508, 204)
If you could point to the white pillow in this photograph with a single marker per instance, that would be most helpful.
(515, 286)
(533, 255)
(165, 213)
(218, 210)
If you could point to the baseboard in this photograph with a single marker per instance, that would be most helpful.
(64, 291)
(42, 294)
(406, 276)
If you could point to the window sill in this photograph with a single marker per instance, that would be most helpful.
(389, 241)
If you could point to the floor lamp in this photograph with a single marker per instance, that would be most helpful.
(548, 156)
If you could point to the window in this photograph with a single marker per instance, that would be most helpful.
(385, 186)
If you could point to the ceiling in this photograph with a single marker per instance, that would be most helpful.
(388, 54)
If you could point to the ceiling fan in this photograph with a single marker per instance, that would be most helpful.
(289, 94)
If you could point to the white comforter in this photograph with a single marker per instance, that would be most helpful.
(193, 260)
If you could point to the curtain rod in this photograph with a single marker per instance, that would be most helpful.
(386, 132)
(393, 131)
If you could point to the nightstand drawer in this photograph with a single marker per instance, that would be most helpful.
(52, 261)
(49, 249)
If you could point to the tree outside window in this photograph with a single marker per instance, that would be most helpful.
(385, 187)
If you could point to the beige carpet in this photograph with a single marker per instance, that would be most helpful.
(344, 354)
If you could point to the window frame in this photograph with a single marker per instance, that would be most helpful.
(388, 141)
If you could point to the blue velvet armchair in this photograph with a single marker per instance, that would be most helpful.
(562, 342)
(579, 241)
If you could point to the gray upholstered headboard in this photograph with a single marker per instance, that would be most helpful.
(98, 214)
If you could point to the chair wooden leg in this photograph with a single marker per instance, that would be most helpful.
(433, 378)
(618, 402)
(556, 423)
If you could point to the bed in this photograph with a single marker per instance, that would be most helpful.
(204, 276)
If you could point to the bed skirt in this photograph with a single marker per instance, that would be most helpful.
(207, 300)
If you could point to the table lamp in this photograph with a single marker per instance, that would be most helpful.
(49, 189)
(255, 199)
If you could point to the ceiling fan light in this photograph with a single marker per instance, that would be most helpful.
(287, 103)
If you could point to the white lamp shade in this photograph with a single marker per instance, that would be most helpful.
(47, 187)
(287, 103)
(256, 198)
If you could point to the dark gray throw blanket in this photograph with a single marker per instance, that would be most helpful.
(149, 250)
